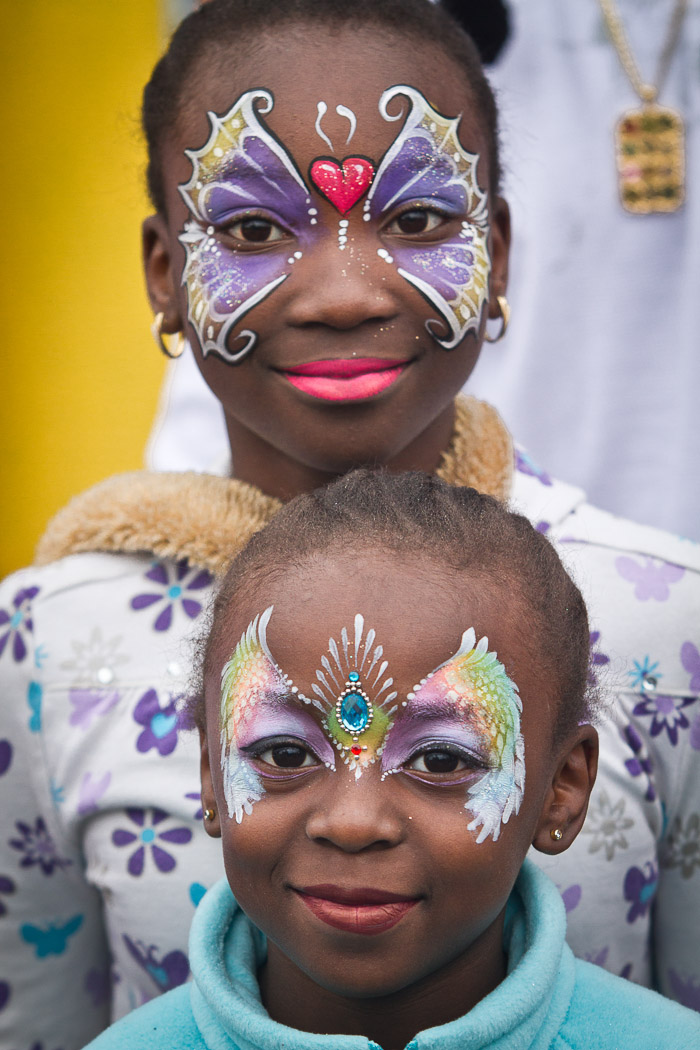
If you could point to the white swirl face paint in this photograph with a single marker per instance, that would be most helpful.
(241, 168)
(427, 165)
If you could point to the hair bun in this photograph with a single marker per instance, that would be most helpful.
(486, 21)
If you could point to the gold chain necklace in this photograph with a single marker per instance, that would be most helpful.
(650, 141)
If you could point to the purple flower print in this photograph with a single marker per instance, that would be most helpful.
(525, 465)
(686, 992)
(5, 756)
(571, 897)
(690, 658)
(37, 847)
(17, 622)
(174, 581)
(147, 822)
(98, 986)
(89, 704)
(196, 796)
(168, 972)
(91, 791)
(666, 713)
(598, 958)
(6, 886)
(597, 659)
(160, 724)
(639, 889)
(640, 764)
(652, 579)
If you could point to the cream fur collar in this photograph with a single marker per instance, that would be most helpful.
(208, 519)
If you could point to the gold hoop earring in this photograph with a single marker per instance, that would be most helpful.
(505, 318)
(156, 331)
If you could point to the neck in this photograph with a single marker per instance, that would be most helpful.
(293, 998)
(280, 474)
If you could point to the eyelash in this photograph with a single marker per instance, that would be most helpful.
(261, 747)
(418, 207)
(226, 227)
(473, 764)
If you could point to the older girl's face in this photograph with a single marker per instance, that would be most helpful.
(377, 793)
(331, 245)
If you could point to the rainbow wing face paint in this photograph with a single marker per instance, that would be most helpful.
(426, 163)
(467, 706)
(250, 678)
(241, 169)
(471, 704)
(356, 695)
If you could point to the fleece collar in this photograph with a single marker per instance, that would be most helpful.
(525, 1011)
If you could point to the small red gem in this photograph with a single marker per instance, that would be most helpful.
(357, 751)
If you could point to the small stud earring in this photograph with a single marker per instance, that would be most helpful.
(209, 814)
(556, 834)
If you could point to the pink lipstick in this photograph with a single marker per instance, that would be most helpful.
(363, 911)
(347, 379)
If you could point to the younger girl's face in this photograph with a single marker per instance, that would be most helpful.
(378, 769)
(332, 241)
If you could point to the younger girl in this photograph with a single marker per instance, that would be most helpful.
(376, 792)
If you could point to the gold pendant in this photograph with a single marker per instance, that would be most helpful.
(650, 148)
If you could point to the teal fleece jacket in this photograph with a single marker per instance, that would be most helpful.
(548, 1001)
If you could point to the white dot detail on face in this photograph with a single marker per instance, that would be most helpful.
(297, 255)
(384, 254)
(218, 152)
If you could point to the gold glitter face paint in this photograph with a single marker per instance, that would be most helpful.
(428, 167)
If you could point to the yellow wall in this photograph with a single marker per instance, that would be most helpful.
(79, 371)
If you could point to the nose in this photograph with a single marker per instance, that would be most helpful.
(354, 815)
(343, 289)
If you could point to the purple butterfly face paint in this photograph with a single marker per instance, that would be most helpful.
(241, 171)
(427, 165)
(244, 171)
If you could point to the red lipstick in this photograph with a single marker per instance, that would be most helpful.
(347, 379)
(364, 911)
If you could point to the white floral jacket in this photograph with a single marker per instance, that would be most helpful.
(103, 857)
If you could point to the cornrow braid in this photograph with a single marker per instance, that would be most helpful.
(458, 528)
(219, 24)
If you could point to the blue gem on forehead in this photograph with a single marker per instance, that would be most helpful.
(354, 712)
(353, 677)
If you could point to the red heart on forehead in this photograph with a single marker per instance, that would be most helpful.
(342, 184)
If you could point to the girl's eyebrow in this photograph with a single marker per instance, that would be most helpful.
(429, 710)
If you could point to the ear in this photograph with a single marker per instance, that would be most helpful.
(566, 802)
(212, 827)
(500, 250)
(161, 282)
